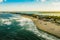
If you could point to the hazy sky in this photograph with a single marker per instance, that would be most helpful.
(29, 5)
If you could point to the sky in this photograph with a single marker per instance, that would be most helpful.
(29, 5)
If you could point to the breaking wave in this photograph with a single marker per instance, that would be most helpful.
(16, 27)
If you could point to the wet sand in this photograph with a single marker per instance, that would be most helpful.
(46, 26)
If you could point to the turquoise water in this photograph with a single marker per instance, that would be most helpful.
(16, 27)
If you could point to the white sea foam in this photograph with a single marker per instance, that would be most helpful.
(32, 27)
(28, 24)
(6, 21)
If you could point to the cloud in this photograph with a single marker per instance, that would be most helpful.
(32, 7)
(56, 3)
(56, 0)
(43, 0)
(1, 1)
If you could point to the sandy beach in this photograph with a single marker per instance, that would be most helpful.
(46, 26)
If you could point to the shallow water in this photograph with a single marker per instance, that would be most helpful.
(16, 27)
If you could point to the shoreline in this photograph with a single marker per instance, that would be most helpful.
(53, 30)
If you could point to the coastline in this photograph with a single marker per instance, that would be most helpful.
(50, 28)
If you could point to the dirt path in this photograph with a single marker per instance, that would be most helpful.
(46, 26)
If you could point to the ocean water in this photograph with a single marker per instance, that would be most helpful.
(17, 27)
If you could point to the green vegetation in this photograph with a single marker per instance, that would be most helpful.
(55, 19)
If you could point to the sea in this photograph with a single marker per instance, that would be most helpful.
(17, 27)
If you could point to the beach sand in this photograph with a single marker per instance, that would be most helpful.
(48, 27)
